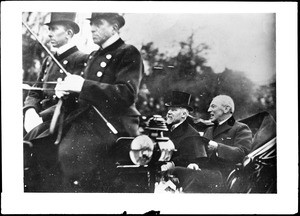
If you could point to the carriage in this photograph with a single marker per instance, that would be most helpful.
(256, 174)
(138, 160)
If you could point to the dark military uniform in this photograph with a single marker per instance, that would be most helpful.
(44, 168)
(44, 101)
(112, 79)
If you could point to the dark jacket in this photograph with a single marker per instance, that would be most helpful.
(234, 143)
(44, 101)
(190, 148)
(234, 140)
(112, 79)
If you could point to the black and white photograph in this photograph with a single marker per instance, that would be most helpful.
(149, 107)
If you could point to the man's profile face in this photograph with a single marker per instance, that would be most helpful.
(58, 35)
(101, 31)
(216, 110)
(175, 115)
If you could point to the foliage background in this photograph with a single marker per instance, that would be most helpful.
(186, 68)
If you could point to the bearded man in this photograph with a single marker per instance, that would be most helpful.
(187, 140)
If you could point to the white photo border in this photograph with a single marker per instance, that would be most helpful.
(14, 200)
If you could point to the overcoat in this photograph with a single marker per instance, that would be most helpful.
(112, 78)
(44, 102)
(188, 145)
(234, 143)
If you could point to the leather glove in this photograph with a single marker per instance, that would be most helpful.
(167, 166)
(193, 166)
(212, 145)
(31, 119)
(72, 83)
(60, 90)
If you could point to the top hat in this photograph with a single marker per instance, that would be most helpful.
(109, 16)
(180, 99)
(64, 17)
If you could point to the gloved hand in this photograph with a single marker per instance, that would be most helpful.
(193, 166)
(212, 145)
(31, 119)
(60, 89)
(167, 166)
(72, 83)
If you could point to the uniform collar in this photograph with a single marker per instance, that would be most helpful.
(64, 48)
(66, 53)
(110, 41)
(110, 48)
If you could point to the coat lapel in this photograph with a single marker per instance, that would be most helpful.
(178, 132)
(220, 129)
(224, 127)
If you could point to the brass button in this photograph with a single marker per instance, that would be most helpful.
(60, 71)
(108, 56)
(65, 62)
(99, 74)
(103, 64)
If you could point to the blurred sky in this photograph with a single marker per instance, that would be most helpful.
(242, 42)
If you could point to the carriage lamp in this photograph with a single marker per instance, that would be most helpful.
(146, 149)
(156, 126)
(138, 159)
(164, 147)
(141, 150)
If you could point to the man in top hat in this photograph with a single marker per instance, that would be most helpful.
(109, 85)
(39, 105)
(228, 142)
(186, 139)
